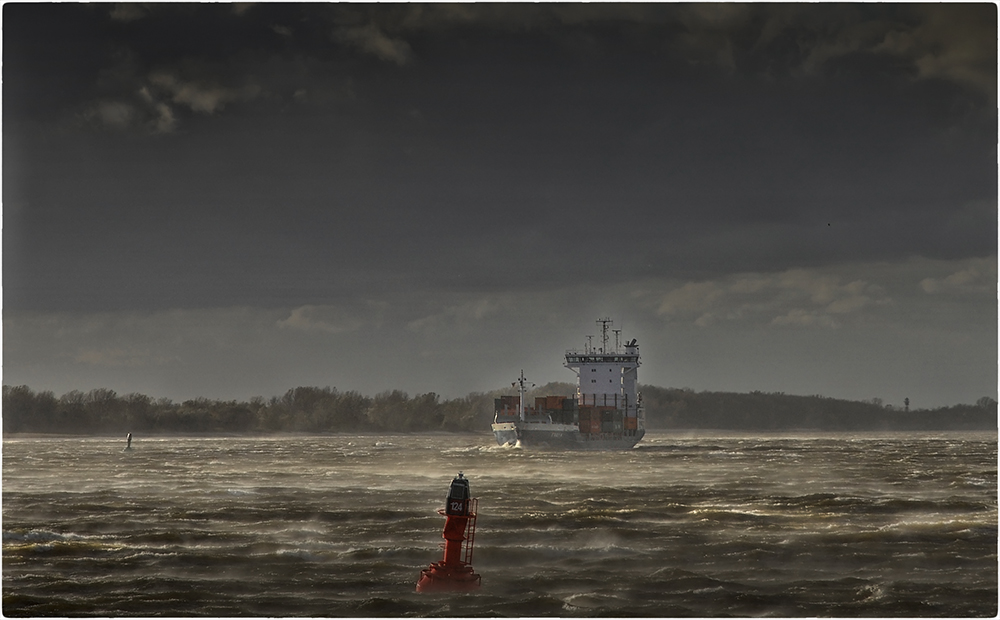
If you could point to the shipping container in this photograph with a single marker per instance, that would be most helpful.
(631, 423)
(607, 427)
(504, 406)
(554, 402)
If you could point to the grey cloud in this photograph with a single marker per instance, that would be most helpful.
(113, 114)
(200, 96)
(241, 8)
(151, 103)
(930, 41)
(336, 318)
(767, 39)
(127, 12)
(952, 42)
(148, 102)
(977, 277)
(461, 316)
(956, 43)
(371, 39)
(164, 120)
(794, 297)
(138, 114)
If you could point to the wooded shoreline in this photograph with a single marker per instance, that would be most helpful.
(329, 410)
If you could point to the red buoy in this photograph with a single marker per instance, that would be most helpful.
(454, 572)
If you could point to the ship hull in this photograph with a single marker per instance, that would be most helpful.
(561, 437)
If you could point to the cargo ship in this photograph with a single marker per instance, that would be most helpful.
(605, 414)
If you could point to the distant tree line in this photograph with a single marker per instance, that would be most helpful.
(328, 410)
(302, 409)
(775, 411)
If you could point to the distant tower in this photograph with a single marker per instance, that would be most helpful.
(906, 404)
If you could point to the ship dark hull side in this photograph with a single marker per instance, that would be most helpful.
(562, 437)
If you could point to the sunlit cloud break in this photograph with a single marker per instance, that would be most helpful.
(979, 277)
(794, 297)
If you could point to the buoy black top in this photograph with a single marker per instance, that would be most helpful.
(458, 496)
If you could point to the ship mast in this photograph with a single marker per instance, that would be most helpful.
(604, 333)
(521, 389)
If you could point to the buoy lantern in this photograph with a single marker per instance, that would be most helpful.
(454, 572)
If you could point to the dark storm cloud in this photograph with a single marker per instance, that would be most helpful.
(398, 141)
(296, 178)
(198, 56)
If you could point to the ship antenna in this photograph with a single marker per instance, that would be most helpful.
(590, 343)
(618, 333)
(604, 333)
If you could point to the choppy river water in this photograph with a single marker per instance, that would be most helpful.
(694, 525)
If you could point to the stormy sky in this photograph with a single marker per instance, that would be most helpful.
(231, 200)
